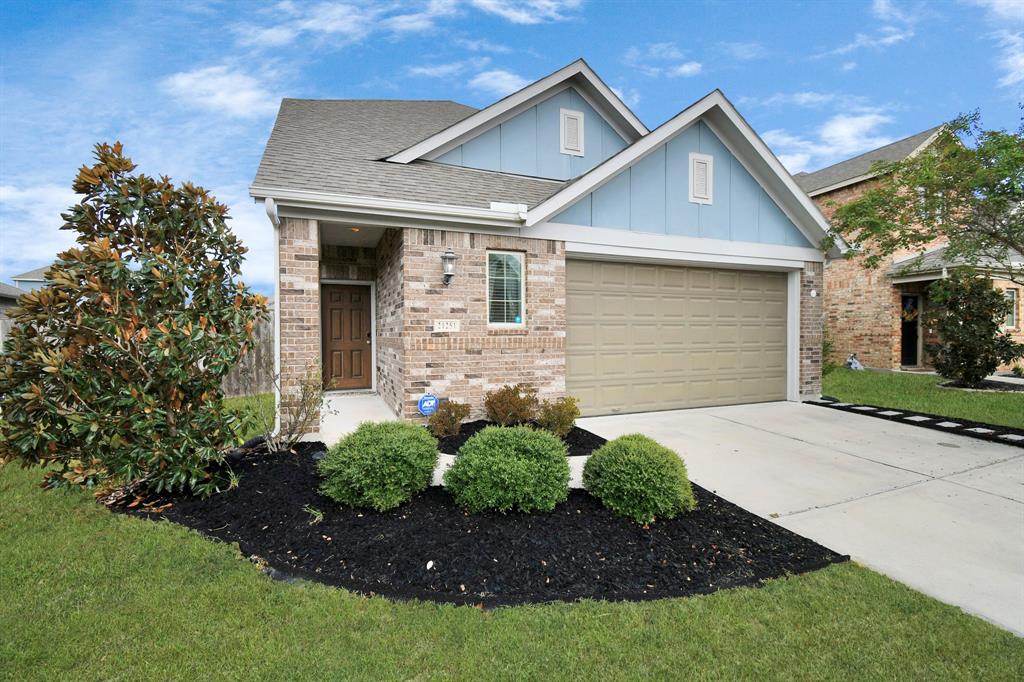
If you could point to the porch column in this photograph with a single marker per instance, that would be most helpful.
(811, 321)
(299, 273)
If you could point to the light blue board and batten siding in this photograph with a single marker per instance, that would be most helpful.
(653, 196)
(529, 143)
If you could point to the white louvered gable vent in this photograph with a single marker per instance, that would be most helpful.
(572, 132)
(702, 177)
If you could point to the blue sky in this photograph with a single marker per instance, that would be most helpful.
(192, 87)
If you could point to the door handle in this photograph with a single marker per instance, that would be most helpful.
(367, 337)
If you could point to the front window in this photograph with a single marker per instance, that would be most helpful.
(1011, 317)
(505, 289)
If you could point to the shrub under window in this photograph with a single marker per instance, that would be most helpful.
(511, 405)
(379, 465)
(639, 478)
(504, 468)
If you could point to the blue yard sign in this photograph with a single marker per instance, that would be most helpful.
(428, 404)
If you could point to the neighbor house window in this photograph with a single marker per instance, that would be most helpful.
(1011, 317)
(505, 290)
(702, 177)
(572, 132)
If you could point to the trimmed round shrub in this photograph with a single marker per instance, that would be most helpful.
(639, 478)
(379, 465)
(503, 468)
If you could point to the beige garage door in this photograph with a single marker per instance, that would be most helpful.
(656, 337)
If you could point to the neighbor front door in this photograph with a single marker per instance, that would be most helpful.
(347, 336)
(910, 330)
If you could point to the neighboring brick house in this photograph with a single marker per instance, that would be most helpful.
(550, 238)
(876, 313)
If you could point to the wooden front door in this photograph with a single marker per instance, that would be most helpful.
(910, 330)
(348, 344)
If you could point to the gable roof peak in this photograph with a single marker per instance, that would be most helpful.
(577, 73)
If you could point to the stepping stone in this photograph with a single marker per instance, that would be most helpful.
(949, 425)
(979, 429)
(918, 418)
(890, 413)
(865, 408)
(820, 401)
(1012, 437)
(841, 404)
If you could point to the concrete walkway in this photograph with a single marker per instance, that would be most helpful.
(939, 512)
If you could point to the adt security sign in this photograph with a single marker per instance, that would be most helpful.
(428, 404)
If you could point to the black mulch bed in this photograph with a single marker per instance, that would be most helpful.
(578, 441)
(578, 551)
(933, 423)
(986, 385)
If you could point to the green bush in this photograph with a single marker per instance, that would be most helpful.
(379, 465)
(510, 405)
(505, 468)
(968, 313)
(558, 416)
(448, 418)
(639, 478)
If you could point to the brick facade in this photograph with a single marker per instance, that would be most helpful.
(299, 307)
(811, 308)
(390, 316)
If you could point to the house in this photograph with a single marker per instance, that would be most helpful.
(876, 313)
(33, 279)
(8, 299)
(551, 238)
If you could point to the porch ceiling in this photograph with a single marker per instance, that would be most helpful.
(350, 235)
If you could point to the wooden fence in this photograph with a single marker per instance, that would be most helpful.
(255, 364)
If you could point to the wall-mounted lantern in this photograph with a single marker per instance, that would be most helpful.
(448, 259)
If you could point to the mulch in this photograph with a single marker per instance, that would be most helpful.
(429, 549)
(986, 385)
(578, 441)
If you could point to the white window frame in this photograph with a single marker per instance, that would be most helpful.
(565, 114)
(522, 289)
(1013, 294)
(710, 161)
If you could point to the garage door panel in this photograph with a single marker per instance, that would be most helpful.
(653, 337)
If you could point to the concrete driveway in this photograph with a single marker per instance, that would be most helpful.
(939, 512)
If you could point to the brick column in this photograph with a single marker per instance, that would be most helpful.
(811, 320)
(299, 272)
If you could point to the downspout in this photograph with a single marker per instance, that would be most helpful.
(275, 220)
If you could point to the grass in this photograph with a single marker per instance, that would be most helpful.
(252, 409)
(92, 595)
(921, 392)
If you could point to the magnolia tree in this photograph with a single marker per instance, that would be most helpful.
(965, 189)
(113, 370)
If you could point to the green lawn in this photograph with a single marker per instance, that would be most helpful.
(921, 392)
(91, 595)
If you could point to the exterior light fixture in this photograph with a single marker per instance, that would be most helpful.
(448, 259)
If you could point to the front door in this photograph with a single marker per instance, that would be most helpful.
(910, 330)
(348, 344)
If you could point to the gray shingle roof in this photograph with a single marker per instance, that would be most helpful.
(33, 275)
(937, 259)
(861, 165)
(9, 292)
(336, 146)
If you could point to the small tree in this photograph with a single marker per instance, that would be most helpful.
(966, 190)
(113, 370)
(967, 313)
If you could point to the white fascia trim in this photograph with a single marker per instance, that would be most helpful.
(515, 101)
(919, 277)
(793, 337)
(597, 240)
(390, 207)
(630, 155)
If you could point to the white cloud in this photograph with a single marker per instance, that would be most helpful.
(482, 45)
(1011, 58)
(498, 82)
(223, 90)
(416, 22)
(887, 11)
(630, 97)
(895, 26)
(808, 99)
(685, 69)
(848, 66)
(839, 137)
(660, 59)
(1006, 10)
(528, 11)
(447, 69)
(29, 222)
(746, 51)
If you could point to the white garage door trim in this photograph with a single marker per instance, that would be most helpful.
(792, 298)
